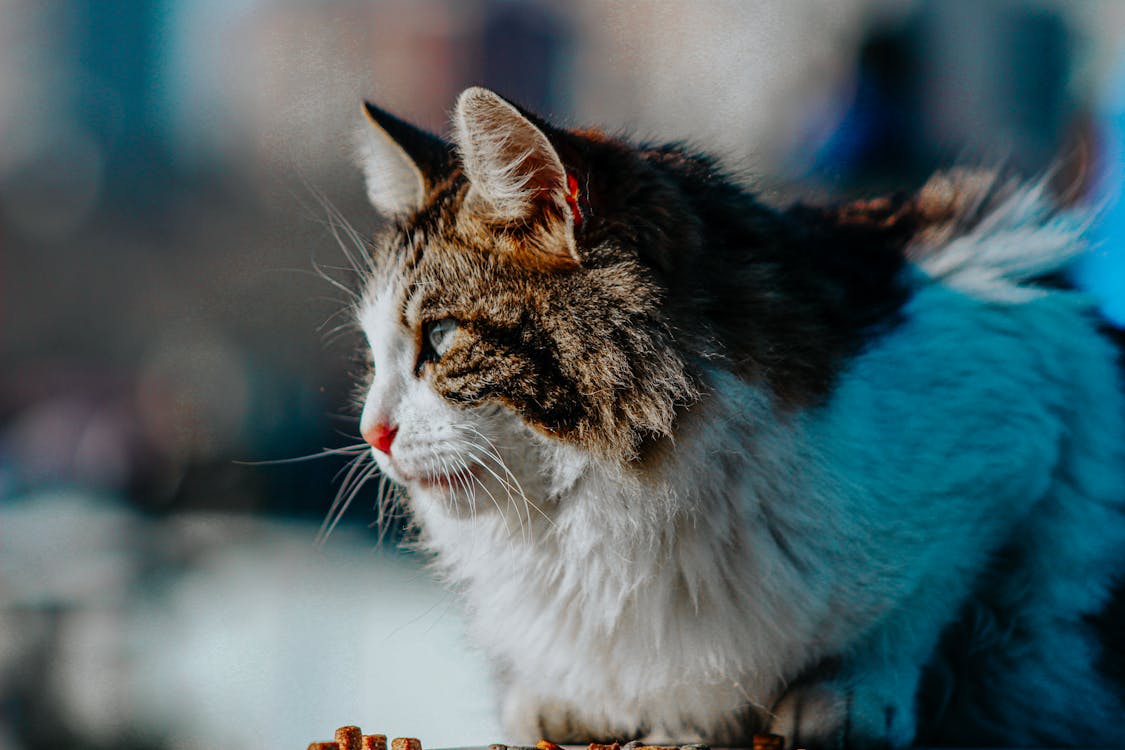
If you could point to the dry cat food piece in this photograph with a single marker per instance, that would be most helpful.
(768, 742)
(540, 745)
(634, 745)
(350, 738)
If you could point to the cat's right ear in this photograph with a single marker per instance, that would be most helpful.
(400, 162)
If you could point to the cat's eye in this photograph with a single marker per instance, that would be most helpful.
(438, 335)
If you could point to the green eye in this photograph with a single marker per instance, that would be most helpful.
(439, 335)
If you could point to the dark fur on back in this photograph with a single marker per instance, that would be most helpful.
(820, 284)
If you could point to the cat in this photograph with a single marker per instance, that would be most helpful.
(703, 467)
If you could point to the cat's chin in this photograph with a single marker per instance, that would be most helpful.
(445, 485)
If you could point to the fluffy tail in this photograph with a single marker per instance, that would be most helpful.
(993, 238)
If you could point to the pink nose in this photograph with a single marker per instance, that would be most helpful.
(381, 436)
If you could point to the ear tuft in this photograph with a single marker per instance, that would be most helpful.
(400, 162)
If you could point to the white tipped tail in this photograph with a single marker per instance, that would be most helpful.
(1002, 236)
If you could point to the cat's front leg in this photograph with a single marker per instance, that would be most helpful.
(860, 706)
(866, 695)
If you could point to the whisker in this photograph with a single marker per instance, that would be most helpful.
(354, 468)
(348, 450)
(335, 333)
(445, 472)
(494, 453)
(380, 509)
(371, 470)
(351, 293)
(357, 475)
(495, 502)
(336, 222)
(350, 466)
(346, 310)
(506, 485)
(390, 497)
(468, 489)
(471, 449)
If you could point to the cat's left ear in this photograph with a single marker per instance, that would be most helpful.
(516, 176)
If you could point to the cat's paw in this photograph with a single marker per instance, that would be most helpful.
(522, 716)
(527, 717)
(832, 715)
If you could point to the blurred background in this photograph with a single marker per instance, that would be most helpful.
(172, 179)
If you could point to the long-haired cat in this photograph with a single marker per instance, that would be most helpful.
(702, 467)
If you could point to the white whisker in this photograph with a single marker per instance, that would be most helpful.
(493, 452)
(337, 222)
(353, 483)
(348, 450)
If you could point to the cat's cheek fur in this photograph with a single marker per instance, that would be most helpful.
(399, 397)
(438, 438)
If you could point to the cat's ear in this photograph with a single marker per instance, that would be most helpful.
(515, 174)
(400, 162)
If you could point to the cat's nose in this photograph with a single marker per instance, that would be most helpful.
(380, 436)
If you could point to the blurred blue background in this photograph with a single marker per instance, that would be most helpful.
(165, 175)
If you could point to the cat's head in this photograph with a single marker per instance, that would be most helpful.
(517, 301)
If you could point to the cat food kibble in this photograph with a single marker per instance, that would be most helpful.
(768, 742)
(405, 743)
(634, 745)
(351, 738)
